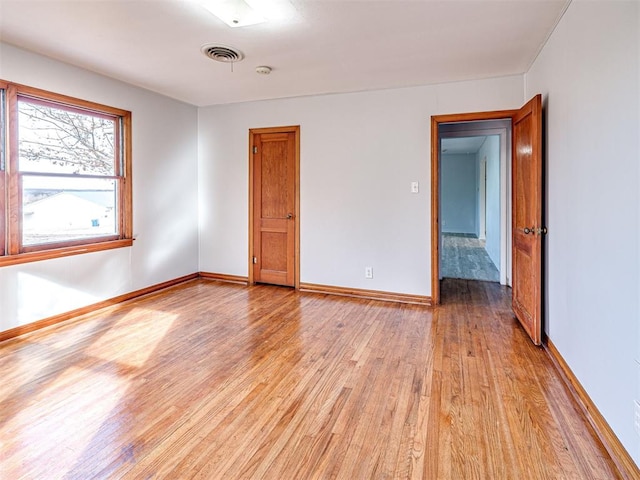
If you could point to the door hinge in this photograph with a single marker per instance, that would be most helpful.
(255, 259)
(255, 149)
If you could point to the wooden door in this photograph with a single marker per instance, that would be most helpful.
(527, 228)
(274, 193)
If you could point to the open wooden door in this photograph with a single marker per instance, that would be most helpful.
(274, 173)
(527, 228)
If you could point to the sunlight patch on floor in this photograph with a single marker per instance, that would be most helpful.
(137, 344)
(81, 404)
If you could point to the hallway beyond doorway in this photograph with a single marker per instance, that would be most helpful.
(464, 256)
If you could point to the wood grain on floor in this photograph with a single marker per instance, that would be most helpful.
(221, 381)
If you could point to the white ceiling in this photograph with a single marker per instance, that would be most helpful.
(329, 46)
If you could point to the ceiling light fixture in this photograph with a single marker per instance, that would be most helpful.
(243, 13)
(235, 13)
(273, 10)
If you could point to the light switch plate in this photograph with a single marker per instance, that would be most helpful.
(415, 187)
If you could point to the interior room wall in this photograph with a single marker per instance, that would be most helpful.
(165, 202)
(359, 154)
(458, 193)
(481, 198)
(490, 151)
(588, 73)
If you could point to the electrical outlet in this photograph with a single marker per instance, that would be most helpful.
(368, 272)
(636, 416)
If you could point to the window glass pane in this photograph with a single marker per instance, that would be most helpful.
(57, 140)
(60, 209)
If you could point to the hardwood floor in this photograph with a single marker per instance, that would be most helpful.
(220, 381)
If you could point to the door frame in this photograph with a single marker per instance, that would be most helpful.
(436, 120)
(295, 129)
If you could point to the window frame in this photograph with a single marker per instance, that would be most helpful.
(3, 165)
(11, 249)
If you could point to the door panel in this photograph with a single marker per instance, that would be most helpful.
(527, 229)
(273, 155)
(274, 203)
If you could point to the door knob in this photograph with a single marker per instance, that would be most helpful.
(534, 230)
(289, 216)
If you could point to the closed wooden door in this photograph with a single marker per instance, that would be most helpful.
(527, 228)
(274, 193)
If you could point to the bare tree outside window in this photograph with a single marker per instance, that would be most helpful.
(67, 165)
(63, 141)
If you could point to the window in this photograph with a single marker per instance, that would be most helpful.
(65, 175)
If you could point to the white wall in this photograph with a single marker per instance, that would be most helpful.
(359, 154)
(458, 193)
(481, 231)
(164, 199)
(490, 151)
(589, 75)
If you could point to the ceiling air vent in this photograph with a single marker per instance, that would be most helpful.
(222, 53)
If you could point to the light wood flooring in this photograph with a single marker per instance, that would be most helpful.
(220, 381)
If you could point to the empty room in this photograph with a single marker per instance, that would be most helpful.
(225, 231)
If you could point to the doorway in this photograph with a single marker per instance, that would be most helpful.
(457, 126)
(526, 227)
(474, 213)
(274, 206)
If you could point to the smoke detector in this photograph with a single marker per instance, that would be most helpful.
(222, 53)
(263, 70)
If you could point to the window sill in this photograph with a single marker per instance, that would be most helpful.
(63, 252)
